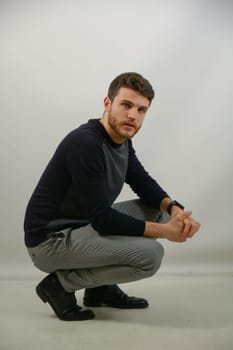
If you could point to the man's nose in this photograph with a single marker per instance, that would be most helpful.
(132, 114)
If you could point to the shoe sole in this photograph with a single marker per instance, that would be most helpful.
(118, 306)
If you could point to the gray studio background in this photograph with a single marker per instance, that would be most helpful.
(57, 59)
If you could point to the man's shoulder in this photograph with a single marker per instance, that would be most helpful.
(85, 133)
(92, 126)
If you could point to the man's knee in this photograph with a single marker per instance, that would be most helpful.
(155, 256)
(150, 259)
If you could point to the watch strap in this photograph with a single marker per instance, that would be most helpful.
(171, 204)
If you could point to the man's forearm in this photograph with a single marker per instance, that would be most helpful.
(153, 230)
(164, 203)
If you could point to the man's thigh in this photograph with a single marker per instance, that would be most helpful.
(86, 248)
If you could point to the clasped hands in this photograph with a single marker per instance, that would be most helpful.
(181, 226)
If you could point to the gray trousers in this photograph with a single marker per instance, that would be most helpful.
(82, 258)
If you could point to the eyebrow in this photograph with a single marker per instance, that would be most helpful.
(132, 104)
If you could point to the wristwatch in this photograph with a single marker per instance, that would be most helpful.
(171, 204)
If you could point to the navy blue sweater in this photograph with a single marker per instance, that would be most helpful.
(81, 182)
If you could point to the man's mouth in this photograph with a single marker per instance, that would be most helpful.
(129, 125)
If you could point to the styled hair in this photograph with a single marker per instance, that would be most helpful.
(131, 80)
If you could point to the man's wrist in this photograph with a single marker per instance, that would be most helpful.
(164, 203)
(176, 211)
(153, 230)
(172, 205)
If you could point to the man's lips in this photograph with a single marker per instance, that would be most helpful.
(129, 125)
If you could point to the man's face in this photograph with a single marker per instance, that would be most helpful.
(125, 114)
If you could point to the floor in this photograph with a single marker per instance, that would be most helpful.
(187, 311)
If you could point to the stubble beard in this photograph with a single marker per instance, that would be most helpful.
(115, 127)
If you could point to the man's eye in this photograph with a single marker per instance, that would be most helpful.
(142, 110)
(126, 105)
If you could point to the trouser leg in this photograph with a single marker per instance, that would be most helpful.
(122, 259)
(83, 258)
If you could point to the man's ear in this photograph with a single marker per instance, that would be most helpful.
(107, 103)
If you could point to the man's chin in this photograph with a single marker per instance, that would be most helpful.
(128, 133)
(123, 135)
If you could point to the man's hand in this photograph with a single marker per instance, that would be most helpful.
(179, 228)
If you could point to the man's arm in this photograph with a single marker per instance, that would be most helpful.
(180, 226)
(146, 187)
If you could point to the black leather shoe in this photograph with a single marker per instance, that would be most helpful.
(112, 296)
(63, 303)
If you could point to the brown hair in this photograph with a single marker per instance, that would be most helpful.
(131, 80)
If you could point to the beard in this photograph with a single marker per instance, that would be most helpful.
(122, 129)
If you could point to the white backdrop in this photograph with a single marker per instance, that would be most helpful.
(57, 59)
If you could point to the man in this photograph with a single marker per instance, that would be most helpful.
(73, 229)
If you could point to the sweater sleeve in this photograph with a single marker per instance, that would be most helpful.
(87, 168)
(142, 183)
